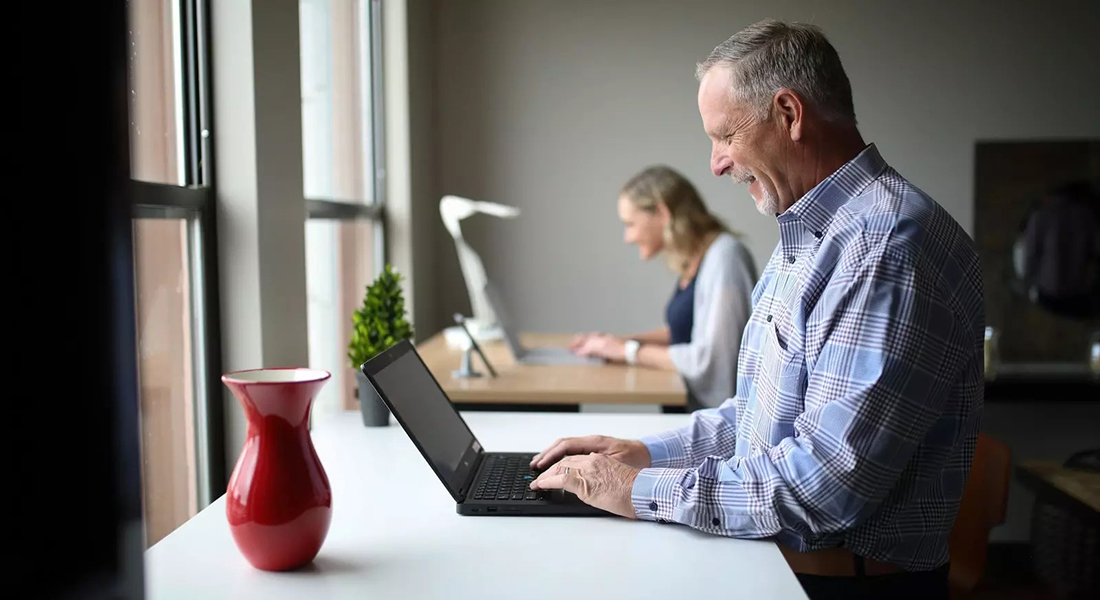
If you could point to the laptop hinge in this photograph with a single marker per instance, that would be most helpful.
(474, 468)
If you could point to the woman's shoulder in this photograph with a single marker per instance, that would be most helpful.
(727, 253)
(725, 247)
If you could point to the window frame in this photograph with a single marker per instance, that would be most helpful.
(195, 201)
(339, 210)
(374, 213)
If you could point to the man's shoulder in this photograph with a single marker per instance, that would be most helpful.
(892, 219)
(893, 216)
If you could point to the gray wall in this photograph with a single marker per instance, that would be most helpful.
(427, 228)
(260, 206)
(413, 228)
(550, 106)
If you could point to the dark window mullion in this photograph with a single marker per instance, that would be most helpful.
(152, 211)
(163, 195)
(342, 211)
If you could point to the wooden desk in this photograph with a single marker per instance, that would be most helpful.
(395, 534)
(1064, 526)
(557, 384)
(1076, 489)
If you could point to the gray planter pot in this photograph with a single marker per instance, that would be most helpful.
(374, 411)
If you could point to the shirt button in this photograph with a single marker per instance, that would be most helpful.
(790, 259)
(653, 506)
(769, 318)
(715, 522)
(818, 234)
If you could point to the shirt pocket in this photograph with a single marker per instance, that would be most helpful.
(783, 376)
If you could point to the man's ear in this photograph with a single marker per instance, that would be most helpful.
(788, 110)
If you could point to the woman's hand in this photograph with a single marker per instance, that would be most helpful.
(579, 340)
(607, 347)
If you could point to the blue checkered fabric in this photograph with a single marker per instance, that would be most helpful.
(859, 384)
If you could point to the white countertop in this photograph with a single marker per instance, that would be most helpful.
(395, 534)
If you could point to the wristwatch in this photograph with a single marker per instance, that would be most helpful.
(631, 348)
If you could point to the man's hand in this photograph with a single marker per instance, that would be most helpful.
(607, 347)
(597, 479)
(628, 452)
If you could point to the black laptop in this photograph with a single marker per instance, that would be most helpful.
(482, 483)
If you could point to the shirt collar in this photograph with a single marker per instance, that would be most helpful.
(816, 209)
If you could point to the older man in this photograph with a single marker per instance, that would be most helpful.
(860, 379)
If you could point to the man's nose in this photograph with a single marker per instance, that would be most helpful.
(719, 163)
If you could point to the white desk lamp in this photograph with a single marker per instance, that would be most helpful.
(453, 209)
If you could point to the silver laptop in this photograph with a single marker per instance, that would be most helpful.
(531, 356)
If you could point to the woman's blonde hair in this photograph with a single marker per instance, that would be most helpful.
(690, 224)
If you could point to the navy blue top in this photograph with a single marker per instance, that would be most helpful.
(680, 313)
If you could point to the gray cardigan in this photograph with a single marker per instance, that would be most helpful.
(723, 303)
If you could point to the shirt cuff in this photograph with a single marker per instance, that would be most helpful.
(660, 454)
(654, 493)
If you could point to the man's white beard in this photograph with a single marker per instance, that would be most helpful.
(768, 205)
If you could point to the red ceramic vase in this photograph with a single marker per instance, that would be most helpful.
(279, 503)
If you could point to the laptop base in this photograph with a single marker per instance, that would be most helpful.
(555, 356)
(503, 478)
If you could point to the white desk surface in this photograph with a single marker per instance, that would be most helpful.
(395, 534)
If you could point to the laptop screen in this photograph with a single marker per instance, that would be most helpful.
(510, 337)
(423, 409)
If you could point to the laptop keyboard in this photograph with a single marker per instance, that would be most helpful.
(508, 478)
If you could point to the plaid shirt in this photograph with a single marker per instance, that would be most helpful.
(859, 385)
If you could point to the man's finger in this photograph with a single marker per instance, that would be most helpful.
(547, 479)
(538, 457)
(549, 482)
(561, 476)
(551, 455)
(561, 449)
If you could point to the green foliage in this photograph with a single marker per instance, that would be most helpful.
(380, 322)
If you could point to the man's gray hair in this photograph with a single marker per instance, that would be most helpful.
(771, 55)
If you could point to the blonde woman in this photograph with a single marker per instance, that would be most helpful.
(662, 213)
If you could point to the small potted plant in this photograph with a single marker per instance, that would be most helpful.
(380, 323)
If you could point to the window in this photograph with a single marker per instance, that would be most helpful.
(339, 266)
(343, 178)
(174, 270)
(156, 107)
(166, 380)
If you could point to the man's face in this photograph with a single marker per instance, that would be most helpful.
(746, 150)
